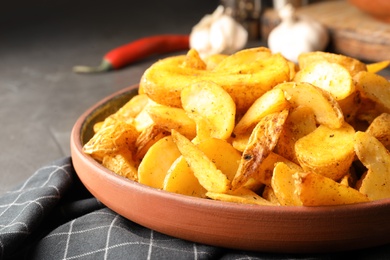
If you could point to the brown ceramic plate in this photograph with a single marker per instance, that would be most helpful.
(250, 227)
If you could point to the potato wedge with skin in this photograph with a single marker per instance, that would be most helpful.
(147, 138)
(374, 87)
(204, 128)
(352, 65)
(127, 113)
(143, 119)
(380, 129)
(272, 101)
(324, 106)
(209, 176)
(300, 122)
(173, 118)
(376, 158)
(194, 61)
(165, 79)
(293, 69)
(133, 107)
(350, 106)
(327, 151)
(240, 141)
(283, 185)
(266, 168)
(181, 179)
(331, 77)
(242, 195)
(222, 153)
(123, 164)
(243, 60)
(209, 100)
(261, 143)
(157, 161)
(317, 190)
(110, 139)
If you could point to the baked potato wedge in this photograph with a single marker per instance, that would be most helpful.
(327, 151)
(317, 190)
(261, 143)
(326, 109)
(376, 158)
(211, 103)
(205, 170)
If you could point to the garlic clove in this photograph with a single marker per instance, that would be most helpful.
(294, 35)
(218, 33)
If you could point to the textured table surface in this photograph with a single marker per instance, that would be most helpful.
(40, 96)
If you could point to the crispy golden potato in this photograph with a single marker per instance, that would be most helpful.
(380, 129)
(324, 106)
(350, 106)
(210, 101)
(378, 66)
(213, 60)
(266, 168)
(376, 158)
(242, 195)
(352, 65)
(243, 60)
(269, 194)
(272, 101)
(127, 113)
(222, 153)
(181, 179)
(165, 79)
(122, 163)
(283, 185)
(327, 151)
(241, 141)
(133, 107)
(209, 176)
(194, 61)
(300, 122)
(143, 120)
(331, 77)
(111, 139)
(293, 69)
(255, 128)
(375, 88)
(261, 143)
(148, 137)
(317, 190)
(161, 154)
(172, 118)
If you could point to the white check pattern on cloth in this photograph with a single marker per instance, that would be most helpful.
(104, 234)
(36, 197)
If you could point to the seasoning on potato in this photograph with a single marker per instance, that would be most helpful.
(255, 128)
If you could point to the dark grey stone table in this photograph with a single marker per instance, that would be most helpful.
(40, 42)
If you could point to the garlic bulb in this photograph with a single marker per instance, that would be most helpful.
(218, 33)
(294, 36)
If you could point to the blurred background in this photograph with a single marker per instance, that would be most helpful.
(40, 42)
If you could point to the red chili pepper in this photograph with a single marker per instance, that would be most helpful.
(137, 50)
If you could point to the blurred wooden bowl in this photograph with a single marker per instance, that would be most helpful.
(379, 9)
